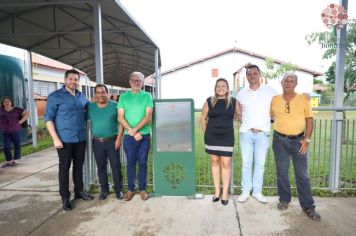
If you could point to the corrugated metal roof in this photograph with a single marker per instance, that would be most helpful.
(64, 31)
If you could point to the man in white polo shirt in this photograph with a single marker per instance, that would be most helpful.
(255, 104)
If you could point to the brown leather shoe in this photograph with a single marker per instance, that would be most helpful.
(144, 195)
(128, 195)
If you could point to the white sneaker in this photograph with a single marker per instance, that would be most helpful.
(259, 197)
(243, 197)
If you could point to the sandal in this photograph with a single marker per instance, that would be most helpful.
(6, 165)
(282, 205)
(312, 214)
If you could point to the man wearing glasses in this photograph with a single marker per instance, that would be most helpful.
(254, 111)
(135, 113)
(293, 127)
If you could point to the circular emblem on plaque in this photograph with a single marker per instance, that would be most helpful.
(174, 173)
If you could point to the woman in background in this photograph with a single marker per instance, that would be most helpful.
(217, 118)
(11, 119)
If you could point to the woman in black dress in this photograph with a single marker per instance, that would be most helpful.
(218, 126)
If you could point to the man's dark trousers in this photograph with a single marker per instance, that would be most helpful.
(102, 152)
(69, 152)
(284, 150)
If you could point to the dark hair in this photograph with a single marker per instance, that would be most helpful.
(3, 99)
(101, 85)
(253, 66)
(72, 71)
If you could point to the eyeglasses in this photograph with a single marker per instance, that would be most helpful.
(137, 81)
(287, 110)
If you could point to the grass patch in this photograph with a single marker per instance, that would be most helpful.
(28, 149)
(43, 141)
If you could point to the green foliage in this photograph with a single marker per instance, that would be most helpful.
(317, 81)
(43, 143)
(274, 71)
(328, 40)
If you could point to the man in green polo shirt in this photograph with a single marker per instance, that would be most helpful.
(135, 113)
(107, 136)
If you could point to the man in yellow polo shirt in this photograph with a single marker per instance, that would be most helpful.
(293, 127)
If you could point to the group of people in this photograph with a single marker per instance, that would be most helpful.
(67, 110)
(255, 107)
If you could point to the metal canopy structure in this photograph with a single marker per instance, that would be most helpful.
(67, 31)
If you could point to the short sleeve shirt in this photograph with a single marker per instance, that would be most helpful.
(104, 122)
(256, 106)
(134, 106)
(9, 120)
(290, 121)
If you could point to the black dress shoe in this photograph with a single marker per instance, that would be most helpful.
(84, 195)
(66, 204)
(103, 195)
(119, 195)
(216, 199)
(224, 202)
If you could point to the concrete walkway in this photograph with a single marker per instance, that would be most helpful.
(30, 205)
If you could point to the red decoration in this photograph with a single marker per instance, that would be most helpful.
(334, 15)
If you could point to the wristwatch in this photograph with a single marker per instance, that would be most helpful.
(307, 140)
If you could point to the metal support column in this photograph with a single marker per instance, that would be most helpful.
(98, 43)
(31, 101)
(336, 141)
(157, 77)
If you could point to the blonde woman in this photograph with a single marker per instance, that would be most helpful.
(217, 122)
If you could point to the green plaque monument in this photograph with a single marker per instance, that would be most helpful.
(173, 147)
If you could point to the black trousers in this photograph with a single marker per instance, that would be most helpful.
(69, 152)
(102, 152)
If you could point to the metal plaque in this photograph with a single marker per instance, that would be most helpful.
(173, 125)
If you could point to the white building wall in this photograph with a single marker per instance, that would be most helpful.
(196, 81)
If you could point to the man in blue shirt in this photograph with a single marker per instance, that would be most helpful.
(65, 121)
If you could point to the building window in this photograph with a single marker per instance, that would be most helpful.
(92, 92)
(215, 73)
(84, 90)
(43, 88)
(113, 91)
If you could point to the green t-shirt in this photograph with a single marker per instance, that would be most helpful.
(104, 122)
(135, 106)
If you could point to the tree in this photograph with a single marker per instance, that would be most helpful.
(274, 71)
(318, 81)
(328, 40)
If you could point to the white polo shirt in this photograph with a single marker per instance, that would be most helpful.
(256, 105)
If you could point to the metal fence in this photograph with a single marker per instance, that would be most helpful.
(320, 157)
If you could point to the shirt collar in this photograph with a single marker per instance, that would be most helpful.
(259, 88)
(64, 90)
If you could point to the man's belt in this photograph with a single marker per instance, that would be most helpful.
(255, 130)
(105, 139)
(290, 136)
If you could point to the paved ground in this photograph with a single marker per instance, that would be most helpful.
(30, 205)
